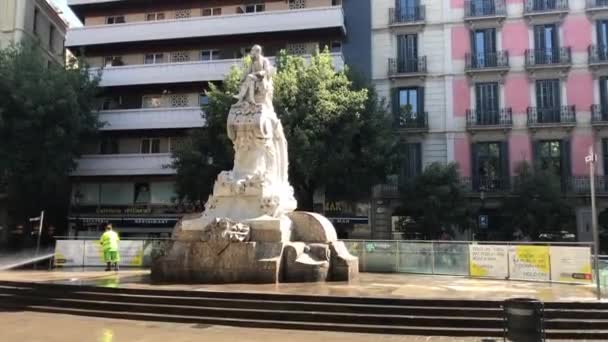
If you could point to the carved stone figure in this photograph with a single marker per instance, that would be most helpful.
(256, 83)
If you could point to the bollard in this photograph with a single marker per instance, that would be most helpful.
(524, 320)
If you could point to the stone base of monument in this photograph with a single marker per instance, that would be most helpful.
(300, 247)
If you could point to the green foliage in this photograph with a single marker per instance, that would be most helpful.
(537, 203)
(45, 114)
(338, 133)
(436, 201)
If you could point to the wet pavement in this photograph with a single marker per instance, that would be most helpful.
(34, 327)
(367, 285)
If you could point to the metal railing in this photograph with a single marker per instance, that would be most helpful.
(412, 121)
(597, 54)
(398, 66)
(599, 115)
(479, 118)
(549, 116)
(486, 184)
(542, 6)
(404, 15)
(484, 8)
(487, 60)
(592, 4)
(543, 57)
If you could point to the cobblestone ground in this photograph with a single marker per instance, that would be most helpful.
(40, 327)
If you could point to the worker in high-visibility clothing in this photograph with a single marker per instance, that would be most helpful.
(109, 244)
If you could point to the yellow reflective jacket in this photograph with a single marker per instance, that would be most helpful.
(109, 241)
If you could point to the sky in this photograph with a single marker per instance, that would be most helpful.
(67, 13)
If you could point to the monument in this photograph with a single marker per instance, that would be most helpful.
(249, 231)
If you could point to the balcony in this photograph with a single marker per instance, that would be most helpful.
(485, 11)
(151, 118)
(598, 56)
(124, 165)
(563, 116)
(412, 122)
(599, 116)
(480, 120)
(487, 62)
(545, 9)
(319, 18)
(163, 73)
(580, 185)
(486, 184)
(413, 67)
(558, 58)
(403, 17)
(596, 8)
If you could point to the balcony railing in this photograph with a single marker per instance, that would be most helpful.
(406, 66)
(124, 164)
(405, 15)
(487, 60)
(412, 121)
(545, 6)
(486, 184)
(548, 57)
(484, 8)
(596, 4)
(560, 116)
(484, 119)
(151, 118)
(599, 115)
(581, 185)
(598, 54)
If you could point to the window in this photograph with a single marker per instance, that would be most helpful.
(207, 12)
(110, 103)
(550, 155)
(408, 10)
(490, 166)
(162, 192)
(150, 146)
(117, 19)
(254, 8)
(109, 145)
(483, 48)
(155, 16)
(154, 58)
(409, 106)
(548, 101)
(336, 2)
(605, 157)
(210, 55)
(179, 100)
(411, 161)
(52, 38)
(142, 193)
(116, 194)
(203, 100)
(601, 28)
(546, 44)
(486, 103)
(604, 97)
(113, 61)
(336, 46)
(183, 14)
(36, 15)
(180, 56)
(407, 53)
(152, 101)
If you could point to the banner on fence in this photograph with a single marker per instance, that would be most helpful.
(488, 261)
(529, 263)
(131, 253)
(69, 253)
(571, 264)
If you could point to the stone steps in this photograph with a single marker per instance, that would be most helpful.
(348, 314)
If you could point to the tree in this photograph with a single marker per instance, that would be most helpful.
(435, 200)
(46, 112)
(537, 203)
(338, 133)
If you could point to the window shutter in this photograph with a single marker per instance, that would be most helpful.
(474, 166)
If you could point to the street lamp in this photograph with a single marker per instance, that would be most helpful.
(591, 159)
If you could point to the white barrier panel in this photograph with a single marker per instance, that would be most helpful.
(571, 264)
(488, 261)
(69, 253)
(131, 253)
(529, 263)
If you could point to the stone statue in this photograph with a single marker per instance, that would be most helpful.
(250, 231)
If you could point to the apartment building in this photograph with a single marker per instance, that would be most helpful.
(157, 59)
(491, 83)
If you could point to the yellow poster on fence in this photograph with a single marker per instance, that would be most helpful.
(571, 264)
(529, 263)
